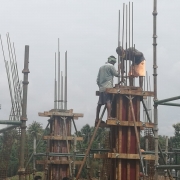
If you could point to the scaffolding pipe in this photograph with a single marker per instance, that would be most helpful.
(166, 100)
(21, 169)
(8, 128)
(10, 122)
(170, 104)
(168, 167)
(155, 85)
(74, 158)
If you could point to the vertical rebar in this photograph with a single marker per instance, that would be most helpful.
(122, 59)
(55, 87)
(155, 85)
(126, 41)
(65, 83)
(58, 76)
(21, 169)
(8, 77)
(61, 90)
(119, 24)
(129, 34)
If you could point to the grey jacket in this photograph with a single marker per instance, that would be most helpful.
(105, 76)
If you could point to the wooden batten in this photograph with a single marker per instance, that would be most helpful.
(115, 122)
(69, 138)
(63, 114)
(146, 157)
(130, 92)
(55, 162)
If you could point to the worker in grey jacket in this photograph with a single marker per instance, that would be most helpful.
(105, 80)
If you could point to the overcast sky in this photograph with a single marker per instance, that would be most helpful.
(88, 31)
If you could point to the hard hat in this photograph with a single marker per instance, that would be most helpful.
(111, 59)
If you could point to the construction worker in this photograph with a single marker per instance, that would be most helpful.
(105, 80)
(137, 68)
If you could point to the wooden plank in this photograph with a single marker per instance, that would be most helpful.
(149, 157)
(130, 92)
(65, 114)
(115, 122)
(123, 156)
(149, 125)
(55, 162)
(70, 138)
(101, 156)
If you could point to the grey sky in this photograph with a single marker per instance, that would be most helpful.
(88, 31)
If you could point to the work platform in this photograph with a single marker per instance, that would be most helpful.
(124, 159)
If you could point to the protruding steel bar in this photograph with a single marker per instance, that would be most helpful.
(129, 33)
(18, 84)
(21, 169)
(166, 100)
(122, 59)
(58, 77)
(119, 24)
(12, 76)
(61, 90)
(65, 83)
(8, 77)
(55, 87)
(126, 42)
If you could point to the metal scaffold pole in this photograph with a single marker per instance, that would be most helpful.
(155, 85)
(21, 169)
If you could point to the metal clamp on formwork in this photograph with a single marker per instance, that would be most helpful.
(144, 124)
(118, 122)
(118, 91)
(117, 155)
(23, 118)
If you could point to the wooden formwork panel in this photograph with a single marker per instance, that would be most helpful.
(59, 128)
(124, 138)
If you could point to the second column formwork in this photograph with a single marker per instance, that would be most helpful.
(58, 162)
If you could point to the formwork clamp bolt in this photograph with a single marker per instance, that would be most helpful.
(118, 122)
(118, 91)
(117, 155)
